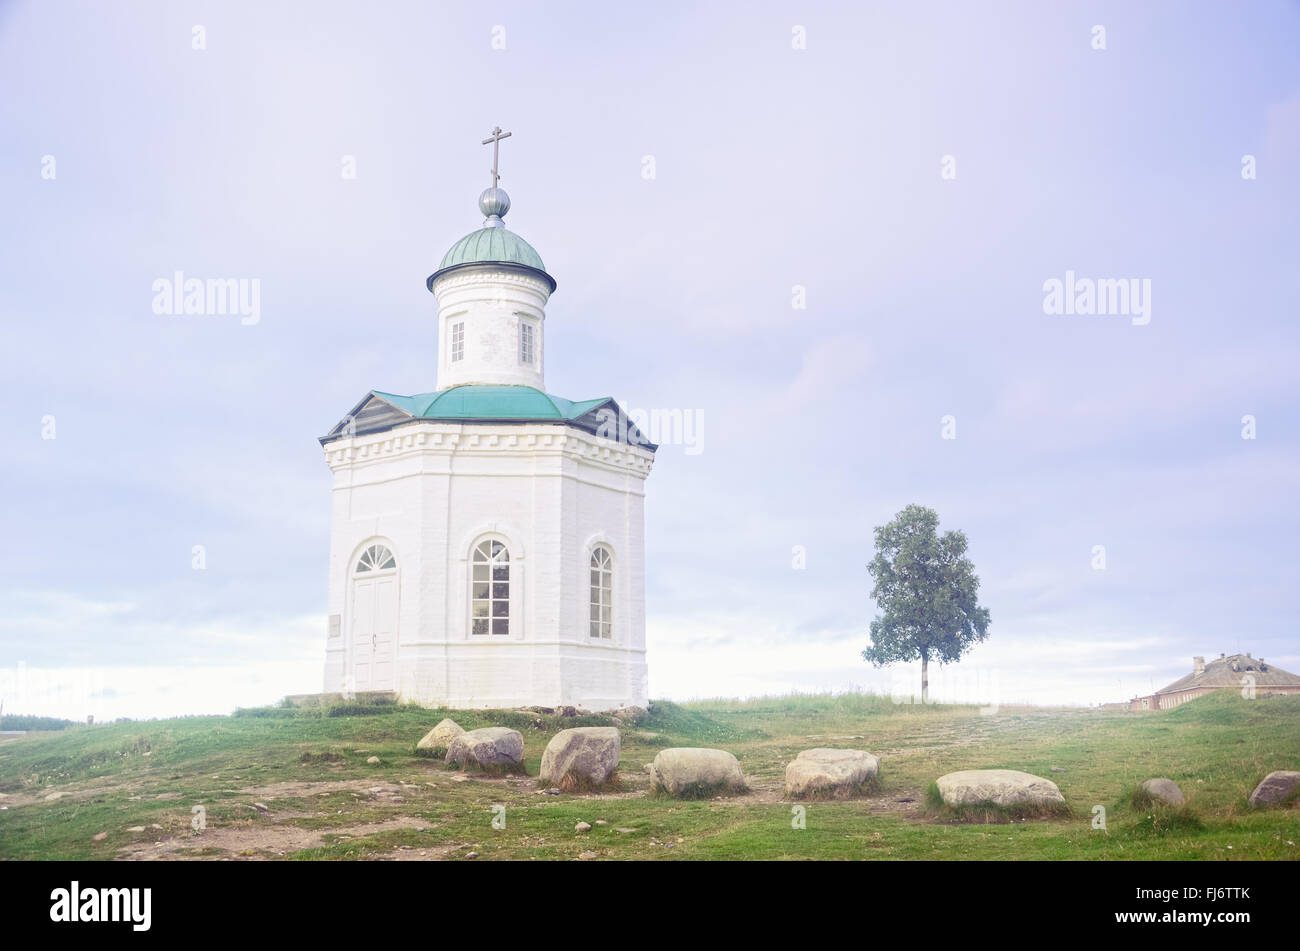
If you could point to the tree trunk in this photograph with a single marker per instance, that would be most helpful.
(925, 679)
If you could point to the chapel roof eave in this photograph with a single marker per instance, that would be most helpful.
(493, 266)
(487, 405)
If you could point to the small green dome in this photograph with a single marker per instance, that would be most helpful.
(492, 246)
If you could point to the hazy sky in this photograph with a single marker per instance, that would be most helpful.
(773, 167)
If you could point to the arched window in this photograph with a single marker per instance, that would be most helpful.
(376, 558)
(490, 589)
(602, 592)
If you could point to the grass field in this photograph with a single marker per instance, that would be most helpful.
(279, 783)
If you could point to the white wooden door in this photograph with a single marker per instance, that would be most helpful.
(374, 632)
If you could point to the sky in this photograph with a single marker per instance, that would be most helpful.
(825, 233)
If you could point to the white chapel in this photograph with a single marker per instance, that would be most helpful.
(487, 540)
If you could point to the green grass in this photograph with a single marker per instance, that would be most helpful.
(309, 770)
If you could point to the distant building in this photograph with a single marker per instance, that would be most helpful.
(1230, 672)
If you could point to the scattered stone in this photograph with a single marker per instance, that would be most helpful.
(135, 828)
(1164, 790)
(372, 760)
(168, 795)
(623, 829)
(1001, 787)
(154, 825)
(586, 855)
(471, 855)
(582, 756)
(261, 807)
(553, 791)
(601, 822)
(825, 771)
(55, 796)
(1276, 787)
(688, 770)
(566, 711)
(1057, 769)
(630, 713)
(99, 837)
(458, 778)
(490, 746)
(440, 737)
(582, 827)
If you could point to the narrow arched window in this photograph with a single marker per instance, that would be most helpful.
(602, 592)
(490, 589)
(376, 558)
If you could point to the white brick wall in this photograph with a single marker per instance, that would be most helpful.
(431, 491)
(491, 303)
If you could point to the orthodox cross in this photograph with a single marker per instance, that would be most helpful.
(495, 139)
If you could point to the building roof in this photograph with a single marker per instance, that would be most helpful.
(492, 401)
(493, 243)
(488, 403)
(1227, 671)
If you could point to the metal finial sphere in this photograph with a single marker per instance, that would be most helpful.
(494, 202)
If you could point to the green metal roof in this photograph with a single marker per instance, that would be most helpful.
(491, 401)
(492, 246)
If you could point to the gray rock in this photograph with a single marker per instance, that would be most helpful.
(440, 737)
(584, 755)
(829, 771)
(683, 769)
(582, 827)
(1001, 787)
(490, 746)
(630, 714)
(1275, 787)
(1164, 790)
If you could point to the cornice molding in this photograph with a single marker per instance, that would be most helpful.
(416, 438)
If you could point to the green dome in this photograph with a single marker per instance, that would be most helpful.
(492, 246)
(491, 401)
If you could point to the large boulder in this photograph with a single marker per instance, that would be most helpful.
(1164, 790)
(828, 772)
(687, 771)
(582, 756)
(440, 737)
(1008, 788)
(490, 746)
(1276, 787)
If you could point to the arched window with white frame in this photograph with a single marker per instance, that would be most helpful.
(602, 592)
(376, 558)
(490, 588)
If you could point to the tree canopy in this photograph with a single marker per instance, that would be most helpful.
(927, 592)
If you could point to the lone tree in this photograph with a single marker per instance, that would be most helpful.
(926, 587)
